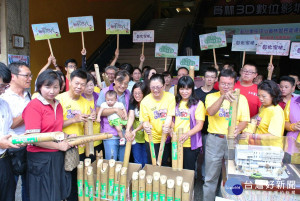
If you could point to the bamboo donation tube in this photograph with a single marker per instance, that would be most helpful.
(170, 189)
(111, 178)
(127, 153)
(163, 188)
(142, 185)
(152, 150)
(117, 181)
(161, 148)
(185, 191)
(36, 137)
(98, 179)
(180, 150)
(73, 141)
(80, 181)
(88, 130)
(149, 181)
(98, 77)
(174, 151)
(178, 187)
(90, 177)
(123, 184)
(104, 178)
(106, 80)
(87, 163)
(155, 189)
(135, 186)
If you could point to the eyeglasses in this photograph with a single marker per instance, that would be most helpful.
(72, 66)
(226, 84)
(248, 72)
(4, 86)
(156, 87)
(26, 76)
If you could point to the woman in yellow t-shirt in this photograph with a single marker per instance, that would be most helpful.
(92, 98)
(270, 118)
(190, 116)
(156, 112)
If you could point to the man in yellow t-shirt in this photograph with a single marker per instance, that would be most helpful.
(217, 106)
(76, 110)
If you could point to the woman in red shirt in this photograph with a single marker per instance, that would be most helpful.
(47, 179)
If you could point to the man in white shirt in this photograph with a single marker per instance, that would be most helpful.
(17, 97)
(7, 181)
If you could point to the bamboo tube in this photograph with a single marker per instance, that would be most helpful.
(127, 153)
(149, 181)
(101, 154)
(152, 150)
(97, 155)
(117, 181)
(106, 80)
(175, 90)
(135, 186)
(104, 177)
(180, 150)
(80, 181)
(123, 184)
(170, 189)
(185, 191)
(98, 179)
(178, 188)
(174, 151)
(90, 177)
(142, 185)
(98, 77)
(233, 114)
(87, 163)
(156, 176)
(161, 148)
(88, 130)
(163, 188)
(111, 178)
(192, 72)
(83, 139)
(36, 137)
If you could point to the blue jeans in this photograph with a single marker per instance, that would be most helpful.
(113, 149)
(139, 153)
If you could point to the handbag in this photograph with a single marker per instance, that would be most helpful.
(71, 159)
(18, 158)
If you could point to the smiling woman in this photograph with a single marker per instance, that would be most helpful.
(48, 117)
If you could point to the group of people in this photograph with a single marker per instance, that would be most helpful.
(137, 104)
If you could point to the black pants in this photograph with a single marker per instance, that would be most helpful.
(166, 154)
(190, 158)
(7, 181)
(74, 188)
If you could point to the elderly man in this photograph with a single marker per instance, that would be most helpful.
(216, 149)
(17, 97)
(111, 73)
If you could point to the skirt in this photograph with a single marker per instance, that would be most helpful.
(47, 179)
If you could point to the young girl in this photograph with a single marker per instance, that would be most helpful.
(114, 119)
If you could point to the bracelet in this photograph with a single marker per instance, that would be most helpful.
(291, 125)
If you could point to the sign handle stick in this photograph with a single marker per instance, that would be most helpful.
(270, 72)
(49, 43)
(143, 48)
(166, 60)
(82, 38)
(117, 41)
(244, 56)
(215, 59)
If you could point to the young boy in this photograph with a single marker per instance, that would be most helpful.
(114, 119)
